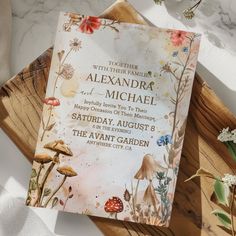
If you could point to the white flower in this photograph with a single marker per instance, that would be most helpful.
(225, 135)
(233, 132)
(229, 179)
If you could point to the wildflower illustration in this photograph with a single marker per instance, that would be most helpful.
(60, 181)
(65, 71)
(87, 24)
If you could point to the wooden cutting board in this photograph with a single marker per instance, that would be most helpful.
(21, 107)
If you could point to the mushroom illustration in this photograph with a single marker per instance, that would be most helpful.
(67, 171)
(113, 206)
(59, 147)
(150, 196)
(42, 158)
(148, 168)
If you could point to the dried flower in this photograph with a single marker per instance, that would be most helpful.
(188, 13)
(67, 71)
(75, 44)
(159, 2)
(74, 17)
(229, 179)
(167, 68)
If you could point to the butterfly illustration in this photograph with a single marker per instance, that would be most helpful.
(164, 140)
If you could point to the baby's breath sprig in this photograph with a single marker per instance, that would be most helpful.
(159, 2)
(190, 12)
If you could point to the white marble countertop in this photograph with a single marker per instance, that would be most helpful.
(34, 24)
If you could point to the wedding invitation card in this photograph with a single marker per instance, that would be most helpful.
(113, 120)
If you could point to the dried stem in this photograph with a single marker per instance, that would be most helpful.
(67, 198)
(48, 121)
(195, 6)
(178, 88)
(46, 176)
(38, 187)
(55, 191)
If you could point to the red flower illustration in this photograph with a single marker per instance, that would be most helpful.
(177, 37)
(89, 24)
(52, 101)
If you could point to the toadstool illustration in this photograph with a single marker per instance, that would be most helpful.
(113, 206)
(42, 158)
(67, 171)
(59, 147)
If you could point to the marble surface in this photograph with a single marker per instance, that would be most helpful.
(34, 24)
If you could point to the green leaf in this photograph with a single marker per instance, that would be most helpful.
(223, 217)
(34, 173)
(202, 173)
(222, 192)
(50, 127)
(47, 192)
(33, 185)
(232, 149)
(54, 202)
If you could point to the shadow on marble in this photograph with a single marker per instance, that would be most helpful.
(215, 18)
(71, 224)
(16, 219)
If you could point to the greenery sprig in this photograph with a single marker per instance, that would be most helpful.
(224, 186)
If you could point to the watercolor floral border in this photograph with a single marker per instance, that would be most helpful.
(157, 197)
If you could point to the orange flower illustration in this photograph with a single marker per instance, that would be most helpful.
(178, 37)
(52, 101)
(89, 24)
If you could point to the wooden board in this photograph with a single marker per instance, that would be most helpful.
(20, 110)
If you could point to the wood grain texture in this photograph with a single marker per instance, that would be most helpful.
(20, 111)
